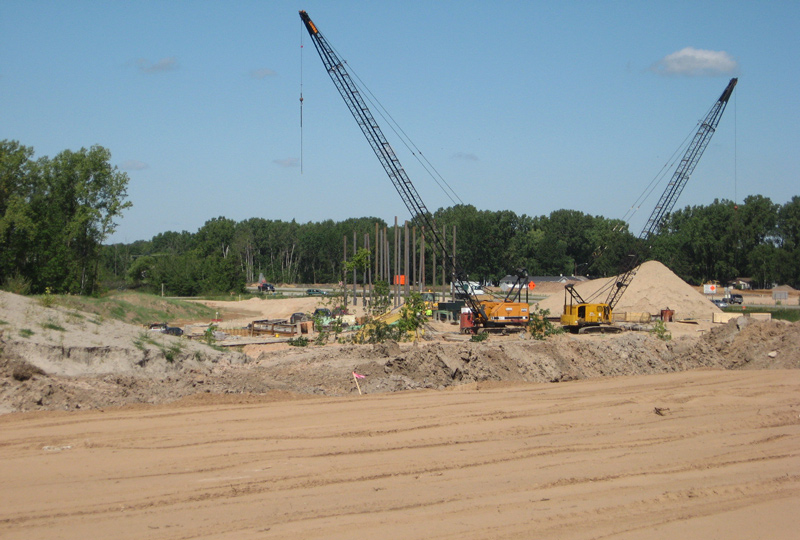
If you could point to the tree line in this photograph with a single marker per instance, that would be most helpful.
(720, 241)
(56, 213)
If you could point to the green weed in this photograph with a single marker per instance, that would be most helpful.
(52, 326)
(172, 352)
(482, 336)
(300, 341)
(660, 331)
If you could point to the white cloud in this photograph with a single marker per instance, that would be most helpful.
(133, 165)
(262, 73)
(465, 156)
(165, 64)
(288, 162)
(691, 61)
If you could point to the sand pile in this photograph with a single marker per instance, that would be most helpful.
(654, 287)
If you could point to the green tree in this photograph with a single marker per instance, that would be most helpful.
(60, 211)
(17, 222)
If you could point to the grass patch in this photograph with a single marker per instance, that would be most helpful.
(26, 332)
(52, 326)
(3, 322)
(170, 353)
(779, 313)
(137, 308)
(144, 339)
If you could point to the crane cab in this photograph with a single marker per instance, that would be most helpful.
(578, 316)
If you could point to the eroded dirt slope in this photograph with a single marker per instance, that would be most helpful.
(100, 364)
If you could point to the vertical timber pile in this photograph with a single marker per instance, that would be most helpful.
(355, 278)
(422, 260)
(367, 272)
(396, 264)
(405, 263)
(344, 271)
(377, 251)
(414, 258)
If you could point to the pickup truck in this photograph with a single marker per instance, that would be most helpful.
(735, 299)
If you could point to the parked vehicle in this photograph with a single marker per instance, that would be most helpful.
(298, 317)
(315, 292)
(164, 328)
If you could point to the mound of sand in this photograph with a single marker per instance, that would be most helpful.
(654, 287)
(68, 342)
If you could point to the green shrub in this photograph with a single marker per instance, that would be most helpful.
(483, 336)
(539, 326)
(660, 331)
(300, 341)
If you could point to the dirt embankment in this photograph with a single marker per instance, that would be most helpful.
(66, 360)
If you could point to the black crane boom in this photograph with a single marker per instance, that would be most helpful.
(386, 155)
(674, 188)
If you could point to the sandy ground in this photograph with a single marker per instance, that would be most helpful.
(238, 314)
(586, 459)
(111, 432)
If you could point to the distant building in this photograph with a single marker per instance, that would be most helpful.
(743, 283)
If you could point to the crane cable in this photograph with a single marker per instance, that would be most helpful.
(735, 152)
(401, 134)
(642, 198)
(301, 99)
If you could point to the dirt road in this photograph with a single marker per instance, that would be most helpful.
(585, 459)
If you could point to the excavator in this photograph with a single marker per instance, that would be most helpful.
(582, 316)
(480, 314)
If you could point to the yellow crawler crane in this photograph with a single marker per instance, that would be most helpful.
(585, 316)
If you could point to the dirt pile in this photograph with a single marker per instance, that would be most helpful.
(55, 357)
(655, 287)
(438, 365)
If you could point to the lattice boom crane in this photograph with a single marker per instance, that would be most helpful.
(579, 313)
(484, 313)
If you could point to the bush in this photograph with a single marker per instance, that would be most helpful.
(660, 331)
(300, 341)
(539, 326)
(483, 336)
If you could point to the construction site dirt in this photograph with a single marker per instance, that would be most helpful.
(107, 432)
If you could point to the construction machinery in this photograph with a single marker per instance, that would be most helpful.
(584, 316)
(480, 314)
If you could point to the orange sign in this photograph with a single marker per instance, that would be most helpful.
(531, 285)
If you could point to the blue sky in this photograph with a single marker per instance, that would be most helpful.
(526, 106)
